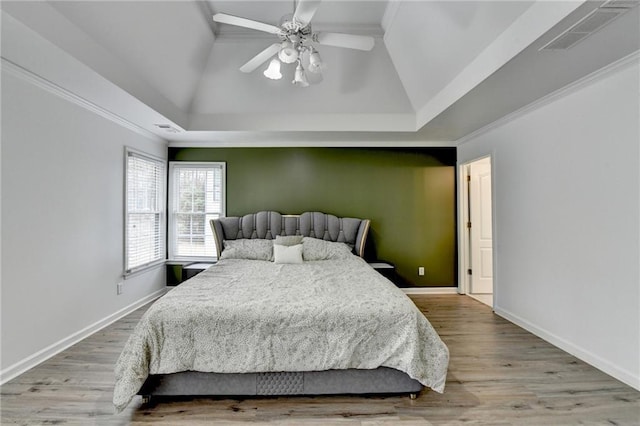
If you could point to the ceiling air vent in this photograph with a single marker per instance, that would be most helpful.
(622, 4)
(591, 23)
(167, 128)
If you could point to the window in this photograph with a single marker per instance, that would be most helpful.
(196, 195)
(144, 211)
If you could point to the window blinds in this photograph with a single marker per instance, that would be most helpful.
(144, 228)
(196, 196)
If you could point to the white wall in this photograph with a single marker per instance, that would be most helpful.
(62, 221)
(566, 214)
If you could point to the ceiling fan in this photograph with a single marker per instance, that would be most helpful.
(295, 36)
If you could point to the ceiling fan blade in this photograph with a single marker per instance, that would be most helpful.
(305, 10)
(260, 58)
(223, 18)
(349, 41)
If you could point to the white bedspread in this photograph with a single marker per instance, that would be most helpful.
(243, 316)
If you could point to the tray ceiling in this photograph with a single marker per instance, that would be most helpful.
(439, 70)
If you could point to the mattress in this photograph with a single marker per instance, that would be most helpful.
(251, 316)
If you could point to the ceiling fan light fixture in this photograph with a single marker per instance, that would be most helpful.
(288, 52)
(300, 78)
(273, 70)
(315, 62)
(294, 45)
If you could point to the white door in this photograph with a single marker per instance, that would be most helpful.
(480, 218)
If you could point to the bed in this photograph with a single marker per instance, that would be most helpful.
(290, 308)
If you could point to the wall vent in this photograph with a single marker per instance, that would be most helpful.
(167, 128)
(591, 23)
(622, 4)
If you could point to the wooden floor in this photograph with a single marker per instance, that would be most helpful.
(499, 374)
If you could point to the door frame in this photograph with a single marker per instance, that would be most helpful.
(464, 234)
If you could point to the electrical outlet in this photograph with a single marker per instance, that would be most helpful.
(421, 270)
(119, 287)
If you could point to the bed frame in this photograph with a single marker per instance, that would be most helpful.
(332, 382)
(267, 225)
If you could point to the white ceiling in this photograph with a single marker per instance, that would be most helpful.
(331, 15)
(439, 69)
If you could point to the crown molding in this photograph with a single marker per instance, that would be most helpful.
(51, 87)
(256, 142)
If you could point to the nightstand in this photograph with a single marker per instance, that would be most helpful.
(174, 271)
(386, 269)
(179, 271)
(193, 269)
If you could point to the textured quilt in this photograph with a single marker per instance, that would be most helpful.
(243, 316)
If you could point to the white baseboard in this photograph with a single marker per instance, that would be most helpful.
(594, 360)
(484, 298)
(430, 290)
(28, 363)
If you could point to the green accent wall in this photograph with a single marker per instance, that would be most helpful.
(409, 195)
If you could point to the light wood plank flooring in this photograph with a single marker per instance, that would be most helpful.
(499, 375)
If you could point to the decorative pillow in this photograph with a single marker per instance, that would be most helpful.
(251, 249)
(288, 240)
(287, 254)
(316, 249)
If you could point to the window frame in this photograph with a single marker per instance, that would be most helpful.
(172, 211)
(161, 201)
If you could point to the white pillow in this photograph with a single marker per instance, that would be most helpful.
(287, 254)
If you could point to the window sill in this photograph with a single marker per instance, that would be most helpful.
(194, 259)
(143, 269)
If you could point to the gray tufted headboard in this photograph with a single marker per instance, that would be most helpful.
(268, 224)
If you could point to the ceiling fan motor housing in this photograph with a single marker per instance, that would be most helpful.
(294, 31)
